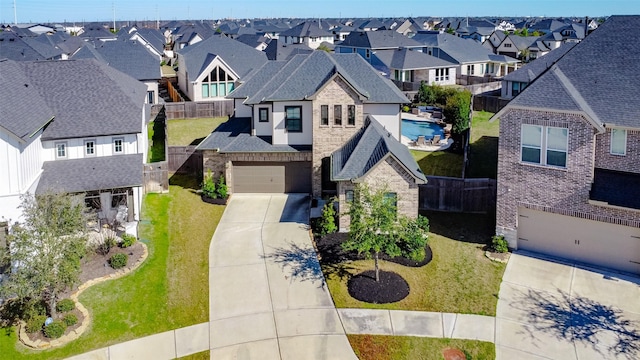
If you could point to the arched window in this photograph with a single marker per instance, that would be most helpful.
(218, 83)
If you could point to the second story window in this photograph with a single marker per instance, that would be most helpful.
(293, 118)
(118, 146)
(544, 145)
(324, 114)
(618, 141)
(263, 114)
(89, 148)
(337, 114)
(61, 150)
(351, 115)
(217, 83)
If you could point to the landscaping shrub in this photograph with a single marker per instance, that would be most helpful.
(70, 319)
(406, 108)
(35, 323)
(55, 329)
(118, 261)
(209, 186)
(105, 246)
(65, 305)
(499, 244)
(327, 223)
(221, 189)
(33, 309)
(414, 237)
(127, 240)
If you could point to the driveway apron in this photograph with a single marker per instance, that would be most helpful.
(550, 309)
(268, 298)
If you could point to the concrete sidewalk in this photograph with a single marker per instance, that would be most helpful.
(418, 323)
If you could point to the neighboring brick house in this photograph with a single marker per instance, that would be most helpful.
(569, 155)
(292, 118)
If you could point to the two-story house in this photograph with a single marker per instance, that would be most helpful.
(318, 124)
(569, 155)
(366, 43)
(82, 130)
(309, 33)
(209, 70)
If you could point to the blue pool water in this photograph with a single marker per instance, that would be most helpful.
(412, 129)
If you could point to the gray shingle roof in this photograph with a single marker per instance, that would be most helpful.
(406, 59)
(103, 172)
(458, 49)
(616, 188)
(20, 117)
(304, 75)
(599, 72)
(154, 37)
(276, 50)
(130, 57)
(234, 136)
(14, 48)
(306, 29)
(240, 57)
(366, 149)
(87, 98)
(532, 70)
(381, 39)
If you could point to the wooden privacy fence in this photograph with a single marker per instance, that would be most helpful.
(190, 109)
(184, 159)
(458, 195)
(174, 94)
(489, 103)
(156, 177)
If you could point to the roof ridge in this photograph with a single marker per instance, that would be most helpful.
(576, 96)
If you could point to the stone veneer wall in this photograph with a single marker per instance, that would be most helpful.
(222, 163)
(329, 138)
(387, 173)
(561, 191)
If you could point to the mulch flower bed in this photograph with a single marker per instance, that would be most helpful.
(391, 287)
(40, 334)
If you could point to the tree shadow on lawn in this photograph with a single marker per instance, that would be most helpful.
(581, 320)
(470, 228)
(185, 181)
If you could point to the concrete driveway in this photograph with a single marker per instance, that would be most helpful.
(268, 298)
(553, 310)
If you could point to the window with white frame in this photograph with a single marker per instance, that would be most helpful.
(61, 150)
(618, 141)
(351, 115)
(470, 69)
(507, 45)
(442, 74)
(337, 115)
(89, 148)
(118, 146)
(217, 83)
(151, 96)
(544, 145)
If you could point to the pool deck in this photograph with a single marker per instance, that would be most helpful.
(442, 145)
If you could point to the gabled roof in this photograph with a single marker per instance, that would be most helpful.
(253, 40)
(380, 39)
(276, 50)
(15, 48)
(572, 84)
(367, 148)
(458, 49)
(240, 57)
(372, 24)
(101, 172)
(96, 31)
(71, 45)
(302, 76)
(529, 72)
(522, 42)
(130, 57)
(234, 136)
(153, 37)
(87, 98)
(21, 118)
(405, 59)
(306, 29)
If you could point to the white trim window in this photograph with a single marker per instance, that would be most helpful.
(618, 142)
(89, 148)
(118, 146)
(442, 74)
(544, 145)
(61, 150)
(217, 83)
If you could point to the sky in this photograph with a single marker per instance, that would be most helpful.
(51, 11)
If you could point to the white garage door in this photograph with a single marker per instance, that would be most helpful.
(593, 242)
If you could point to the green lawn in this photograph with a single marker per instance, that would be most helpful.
(183, 132)
(205, 355)
(370, 347)
(483, 147)
(459, 279)
(169, 290)
(155, 131)
(439, 163)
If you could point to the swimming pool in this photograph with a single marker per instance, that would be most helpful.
(412, 129)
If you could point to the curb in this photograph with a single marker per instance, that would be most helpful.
(43, 345)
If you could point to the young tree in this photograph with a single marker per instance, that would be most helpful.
(373, 224)
(46, 248)
(457, 110)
